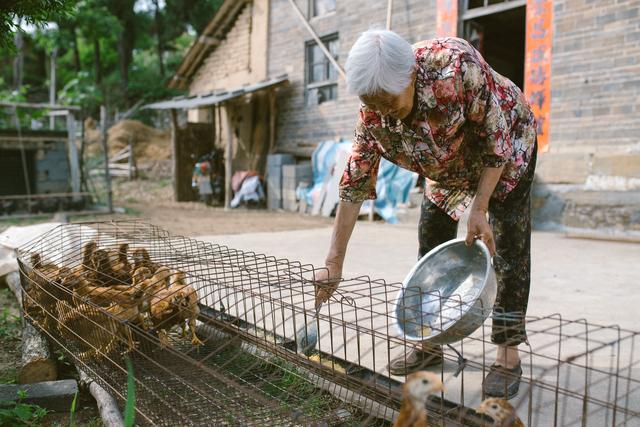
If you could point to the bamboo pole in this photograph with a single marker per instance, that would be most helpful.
(317, 39)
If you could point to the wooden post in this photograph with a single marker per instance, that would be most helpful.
(175, 165)
(228, 157)
(83, 183)
(212, 112)
(36, 364)
(272, 120)
(74, 164)
(52, 85)
(389, 9)
(105, 148)
(132, 164)
(45, 369)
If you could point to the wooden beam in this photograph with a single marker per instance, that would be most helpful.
(52, 395)
(38, 106)
(315, 36)
(174, 153)
(479, 12)
(228, 159)
(43, 195)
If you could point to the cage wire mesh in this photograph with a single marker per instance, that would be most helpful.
(211, 333)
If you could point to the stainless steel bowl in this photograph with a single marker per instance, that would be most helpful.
(448, 294)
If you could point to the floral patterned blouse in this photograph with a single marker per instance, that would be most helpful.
(467, 117)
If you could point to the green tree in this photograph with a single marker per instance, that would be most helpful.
(109, 52)
(32, 12)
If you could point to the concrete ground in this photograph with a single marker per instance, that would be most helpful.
(596, 280)
(578, 279)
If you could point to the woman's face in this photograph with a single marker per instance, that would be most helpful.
(397, 106)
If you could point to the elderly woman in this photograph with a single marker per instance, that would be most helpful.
(438, 109)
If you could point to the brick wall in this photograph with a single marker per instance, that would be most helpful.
(595, 88)
(301, 127)
(229, 64)
(595, 76)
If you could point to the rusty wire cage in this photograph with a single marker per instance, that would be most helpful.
(211, 334)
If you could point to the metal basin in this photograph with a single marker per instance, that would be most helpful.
(448, 294)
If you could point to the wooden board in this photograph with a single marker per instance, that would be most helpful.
(52, 395)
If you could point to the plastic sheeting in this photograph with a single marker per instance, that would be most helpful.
(250, 191)
(393, 185)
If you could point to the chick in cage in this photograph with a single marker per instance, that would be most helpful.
(501, 412)
(133, 294)
(418, 387)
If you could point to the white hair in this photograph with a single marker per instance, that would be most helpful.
(380, 60)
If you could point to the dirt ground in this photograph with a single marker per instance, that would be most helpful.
(151, 200)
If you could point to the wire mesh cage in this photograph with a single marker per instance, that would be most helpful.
(213, 334)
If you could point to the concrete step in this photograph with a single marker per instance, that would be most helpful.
(574, 209)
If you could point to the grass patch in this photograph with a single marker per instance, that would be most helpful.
(8, 376)
(10, 325)
(21, 414)
(131, 211)
(94, 422)
(279, 380)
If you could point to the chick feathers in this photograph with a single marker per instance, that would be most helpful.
(415, 392)
(501, 412)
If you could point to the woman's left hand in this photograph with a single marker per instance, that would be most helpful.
(478, 228)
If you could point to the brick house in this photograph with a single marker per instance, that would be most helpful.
(577, 60)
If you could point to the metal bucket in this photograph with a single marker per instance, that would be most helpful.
(448, 294)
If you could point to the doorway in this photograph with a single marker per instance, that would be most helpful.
(12, 174)
(497, 28)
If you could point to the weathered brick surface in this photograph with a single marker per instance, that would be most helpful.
(627, 166)
(229, 64)
(301, 127)
(595, 76)
(563, 168)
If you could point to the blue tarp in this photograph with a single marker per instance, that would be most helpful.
(393, 185)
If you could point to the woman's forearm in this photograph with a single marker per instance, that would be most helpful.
(487, 184)
(346, 218)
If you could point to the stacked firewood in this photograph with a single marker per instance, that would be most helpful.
(97, 302)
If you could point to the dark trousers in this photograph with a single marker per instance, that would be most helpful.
(511, 223)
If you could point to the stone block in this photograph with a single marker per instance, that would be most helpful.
(563, 168)
(627, 166)
(292, 176)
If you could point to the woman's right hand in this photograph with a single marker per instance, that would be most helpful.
(326, 281)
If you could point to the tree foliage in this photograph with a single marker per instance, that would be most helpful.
(31, 12)
(113, 52)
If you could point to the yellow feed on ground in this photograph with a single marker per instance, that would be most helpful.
(328, 363)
